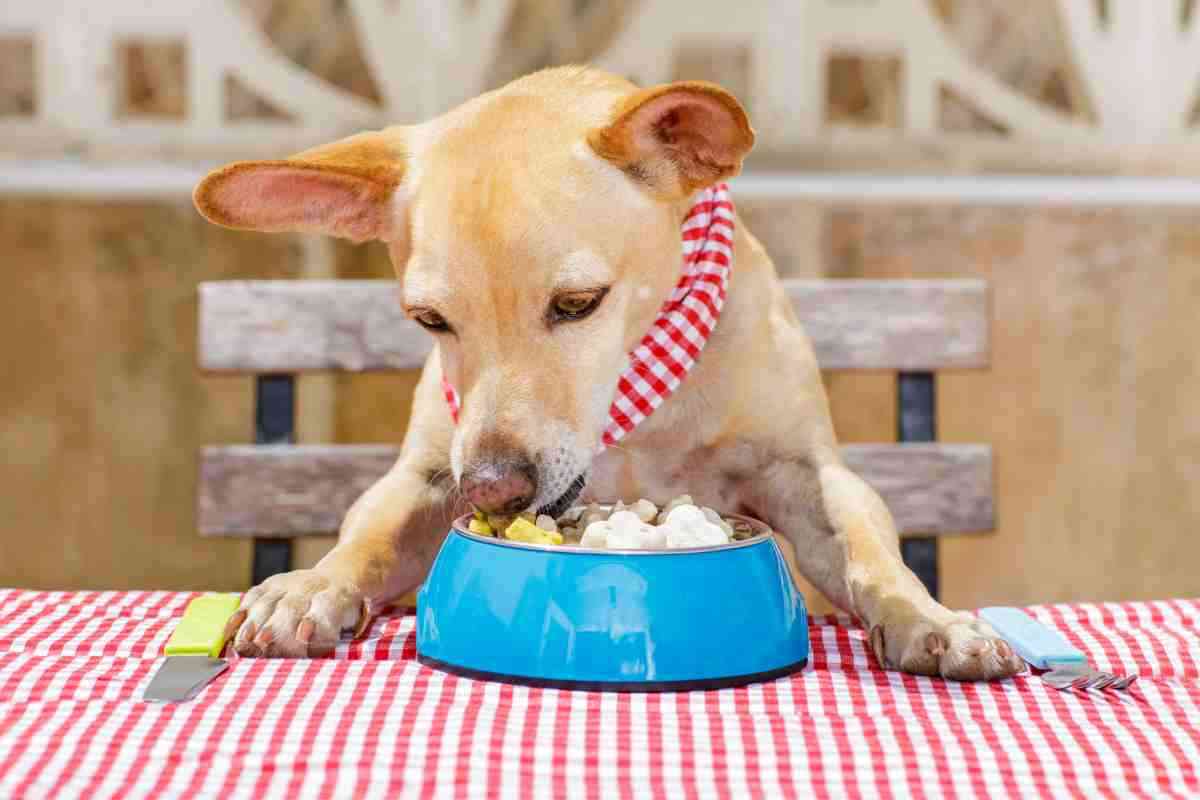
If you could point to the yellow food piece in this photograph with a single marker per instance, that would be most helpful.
(481, 527)
(479, 515)
(522, 530)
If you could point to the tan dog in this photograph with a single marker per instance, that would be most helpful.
(535, 232)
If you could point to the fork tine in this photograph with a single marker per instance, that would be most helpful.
(1126, 682)
(1104, 680)
(1083, 681)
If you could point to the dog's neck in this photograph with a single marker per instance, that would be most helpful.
(669, 350)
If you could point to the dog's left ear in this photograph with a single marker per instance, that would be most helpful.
(350, 188)
(676, 138)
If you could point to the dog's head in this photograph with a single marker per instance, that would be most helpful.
(535, 234)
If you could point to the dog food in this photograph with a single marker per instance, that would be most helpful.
(641, 526)
(522, 530)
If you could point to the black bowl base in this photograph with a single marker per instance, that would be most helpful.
(702, 684)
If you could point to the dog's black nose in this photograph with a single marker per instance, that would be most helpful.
(500, 487)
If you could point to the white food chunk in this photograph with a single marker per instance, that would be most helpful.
(622, 519)
(684, 515)
(681, 523)
(630, 533)
(683, 499)
(645, 510)
(641, 537)
(704, 534)
(688, 526)
(596, 534)
(715, 519)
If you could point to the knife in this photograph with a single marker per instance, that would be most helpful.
(194, 649)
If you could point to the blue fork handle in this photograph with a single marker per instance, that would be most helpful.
(1031, 640)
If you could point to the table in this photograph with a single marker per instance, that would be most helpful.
(372, 722)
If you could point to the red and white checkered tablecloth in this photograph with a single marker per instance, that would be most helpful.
(371, 722)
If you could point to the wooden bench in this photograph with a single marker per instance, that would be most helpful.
(275, 490)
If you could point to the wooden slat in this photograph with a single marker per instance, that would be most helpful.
(291, 326)
(284, 490)
(898, 324)
(929, 488)
(295, 490)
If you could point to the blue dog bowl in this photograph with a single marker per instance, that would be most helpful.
(625, 620)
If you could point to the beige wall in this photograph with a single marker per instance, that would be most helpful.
(102, 408)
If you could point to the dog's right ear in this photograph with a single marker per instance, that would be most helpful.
(351, 188)
(676, 138)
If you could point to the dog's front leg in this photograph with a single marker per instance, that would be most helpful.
(386, 545)
(846, 545)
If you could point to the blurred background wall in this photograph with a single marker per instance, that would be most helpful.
(1090, 403)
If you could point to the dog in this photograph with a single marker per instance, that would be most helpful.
(535, 233)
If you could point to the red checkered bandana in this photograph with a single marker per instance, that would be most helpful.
(665, 355)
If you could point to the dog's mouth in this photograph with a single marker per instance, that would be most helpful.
(564, 501)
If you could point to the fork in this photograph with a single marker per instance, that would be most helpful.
(1046, 649)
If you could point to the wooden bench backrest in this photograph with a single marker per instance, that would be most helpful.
(296, 326)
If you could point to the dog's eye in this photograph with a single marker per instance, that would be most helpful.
(430, 320)
(575, 305)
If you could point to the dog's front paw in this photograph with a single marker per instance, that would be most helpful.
(295, 615)
(960, 648)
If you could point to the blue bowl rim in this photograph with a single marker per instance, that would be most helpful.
(764, 534)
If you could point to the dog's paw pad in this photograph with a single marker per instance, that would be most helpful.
(958, 649)
(972, 657)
